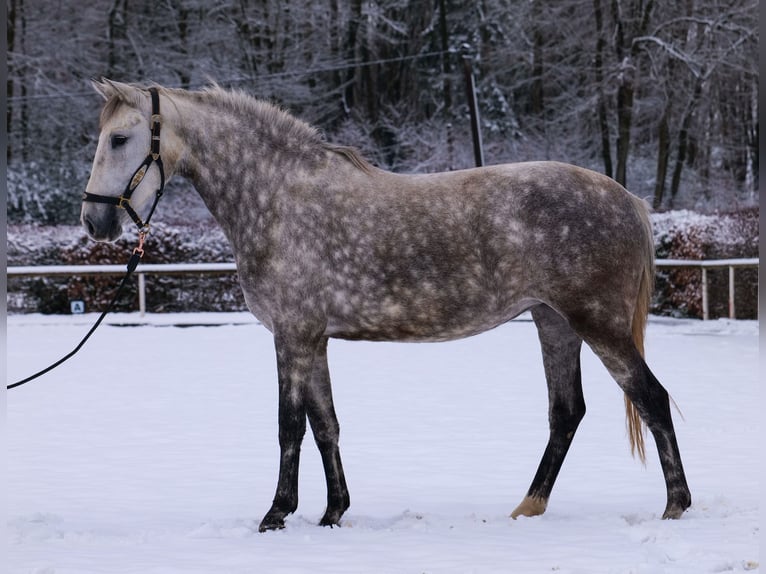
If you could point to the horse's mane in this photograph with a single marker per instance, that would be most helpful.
(280, 119)
(351, 154)
(243, 104)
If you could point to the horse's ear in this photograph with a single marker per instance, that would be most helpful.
(125, 92)
(102, 87)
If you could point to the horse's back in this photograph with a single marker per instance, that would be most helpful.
(527, 192)
(547, 215)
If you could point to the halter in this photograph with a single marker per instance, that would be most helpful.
(123, 201)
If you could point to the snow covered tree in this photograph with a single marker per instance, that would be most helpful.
(662, 96)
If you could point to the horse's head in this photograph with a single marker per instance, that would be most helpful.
(124, 145)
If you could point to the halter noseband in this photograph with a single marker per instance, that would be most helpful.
(123, 201)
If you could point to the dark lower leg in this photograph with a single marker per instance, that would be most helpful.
(539, 492)
(286, 498)
(294, 364)
(338, 499)
(651, 400)
(659, 420)
(561, 359)
(324, 424)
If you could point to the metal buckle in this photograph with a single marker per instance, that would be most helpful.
(139, 249)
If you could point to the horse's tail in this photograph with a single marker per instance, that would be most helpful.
(636, 427)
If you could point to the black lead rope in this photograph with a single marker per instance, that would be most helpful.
(132, 264)
(123, 202)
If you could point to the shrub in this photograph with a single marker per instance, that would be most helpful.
(166, 293)
(689, 235)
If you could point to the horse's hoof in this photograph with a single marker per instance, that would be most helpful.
(530, 506)
(331, 519)
(331, 524)
(271, 522)
(677, 504)
(673, 512)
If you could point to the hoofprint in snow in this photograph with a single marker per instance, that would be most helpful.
(154, 451)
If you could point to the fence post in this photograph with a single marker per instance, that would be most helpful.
(705, 312)
(732, 310)
(141, 294)
(473, 107)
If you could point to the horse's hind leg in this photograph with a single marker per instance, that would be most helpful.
(324, 424)
(624, 362)
(566, 406)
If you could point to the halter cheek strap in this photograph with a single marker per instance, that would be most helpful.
(123, 201)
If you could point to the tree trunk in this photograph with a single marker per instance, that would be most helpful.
(683, 140)
(663, 157)
(367, 85)
(446, 63)
(11, 71)
(24, 123)
(336, 42)
(624, 121)
(446, 81)
(183, 38)
(353, 76)
(627, 54)
(116, 34)
(752, 142)
(251, 41)
(603, 123)
(536, 104)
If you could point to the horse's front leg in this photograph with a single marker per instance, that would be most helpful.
(295, 359)
(324, 425)
(561, 358)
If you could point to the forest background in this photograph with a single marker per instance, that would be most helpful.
(662, 96)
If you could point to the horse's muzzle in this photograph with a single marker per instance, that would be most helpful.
(102, 227)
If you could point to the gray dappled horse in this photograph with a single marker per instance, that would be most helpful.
(327, 245)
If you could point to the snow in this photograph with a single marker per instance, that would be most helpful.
(723, 230)
(154, 451)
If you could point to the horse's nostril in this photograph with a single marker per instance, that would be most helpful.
(90, 227)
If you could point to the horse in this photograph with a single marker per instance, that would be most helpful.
(329, 246)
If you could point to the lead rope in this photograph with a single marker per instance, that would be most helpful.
(123, 202)
(135, 258)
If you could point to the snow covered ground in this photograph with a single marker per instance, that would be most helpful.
(155, 451)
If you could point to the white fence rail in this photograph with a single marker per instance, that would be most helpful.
(214, 268)
(142, 271)
(731, 264)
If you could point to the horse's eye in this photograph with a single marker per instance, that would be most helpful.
(118, 141)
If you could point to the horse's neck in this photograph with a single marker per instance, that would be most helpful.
(236, 164)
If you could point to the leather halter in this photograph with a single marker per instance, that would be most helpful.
(123, 201)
